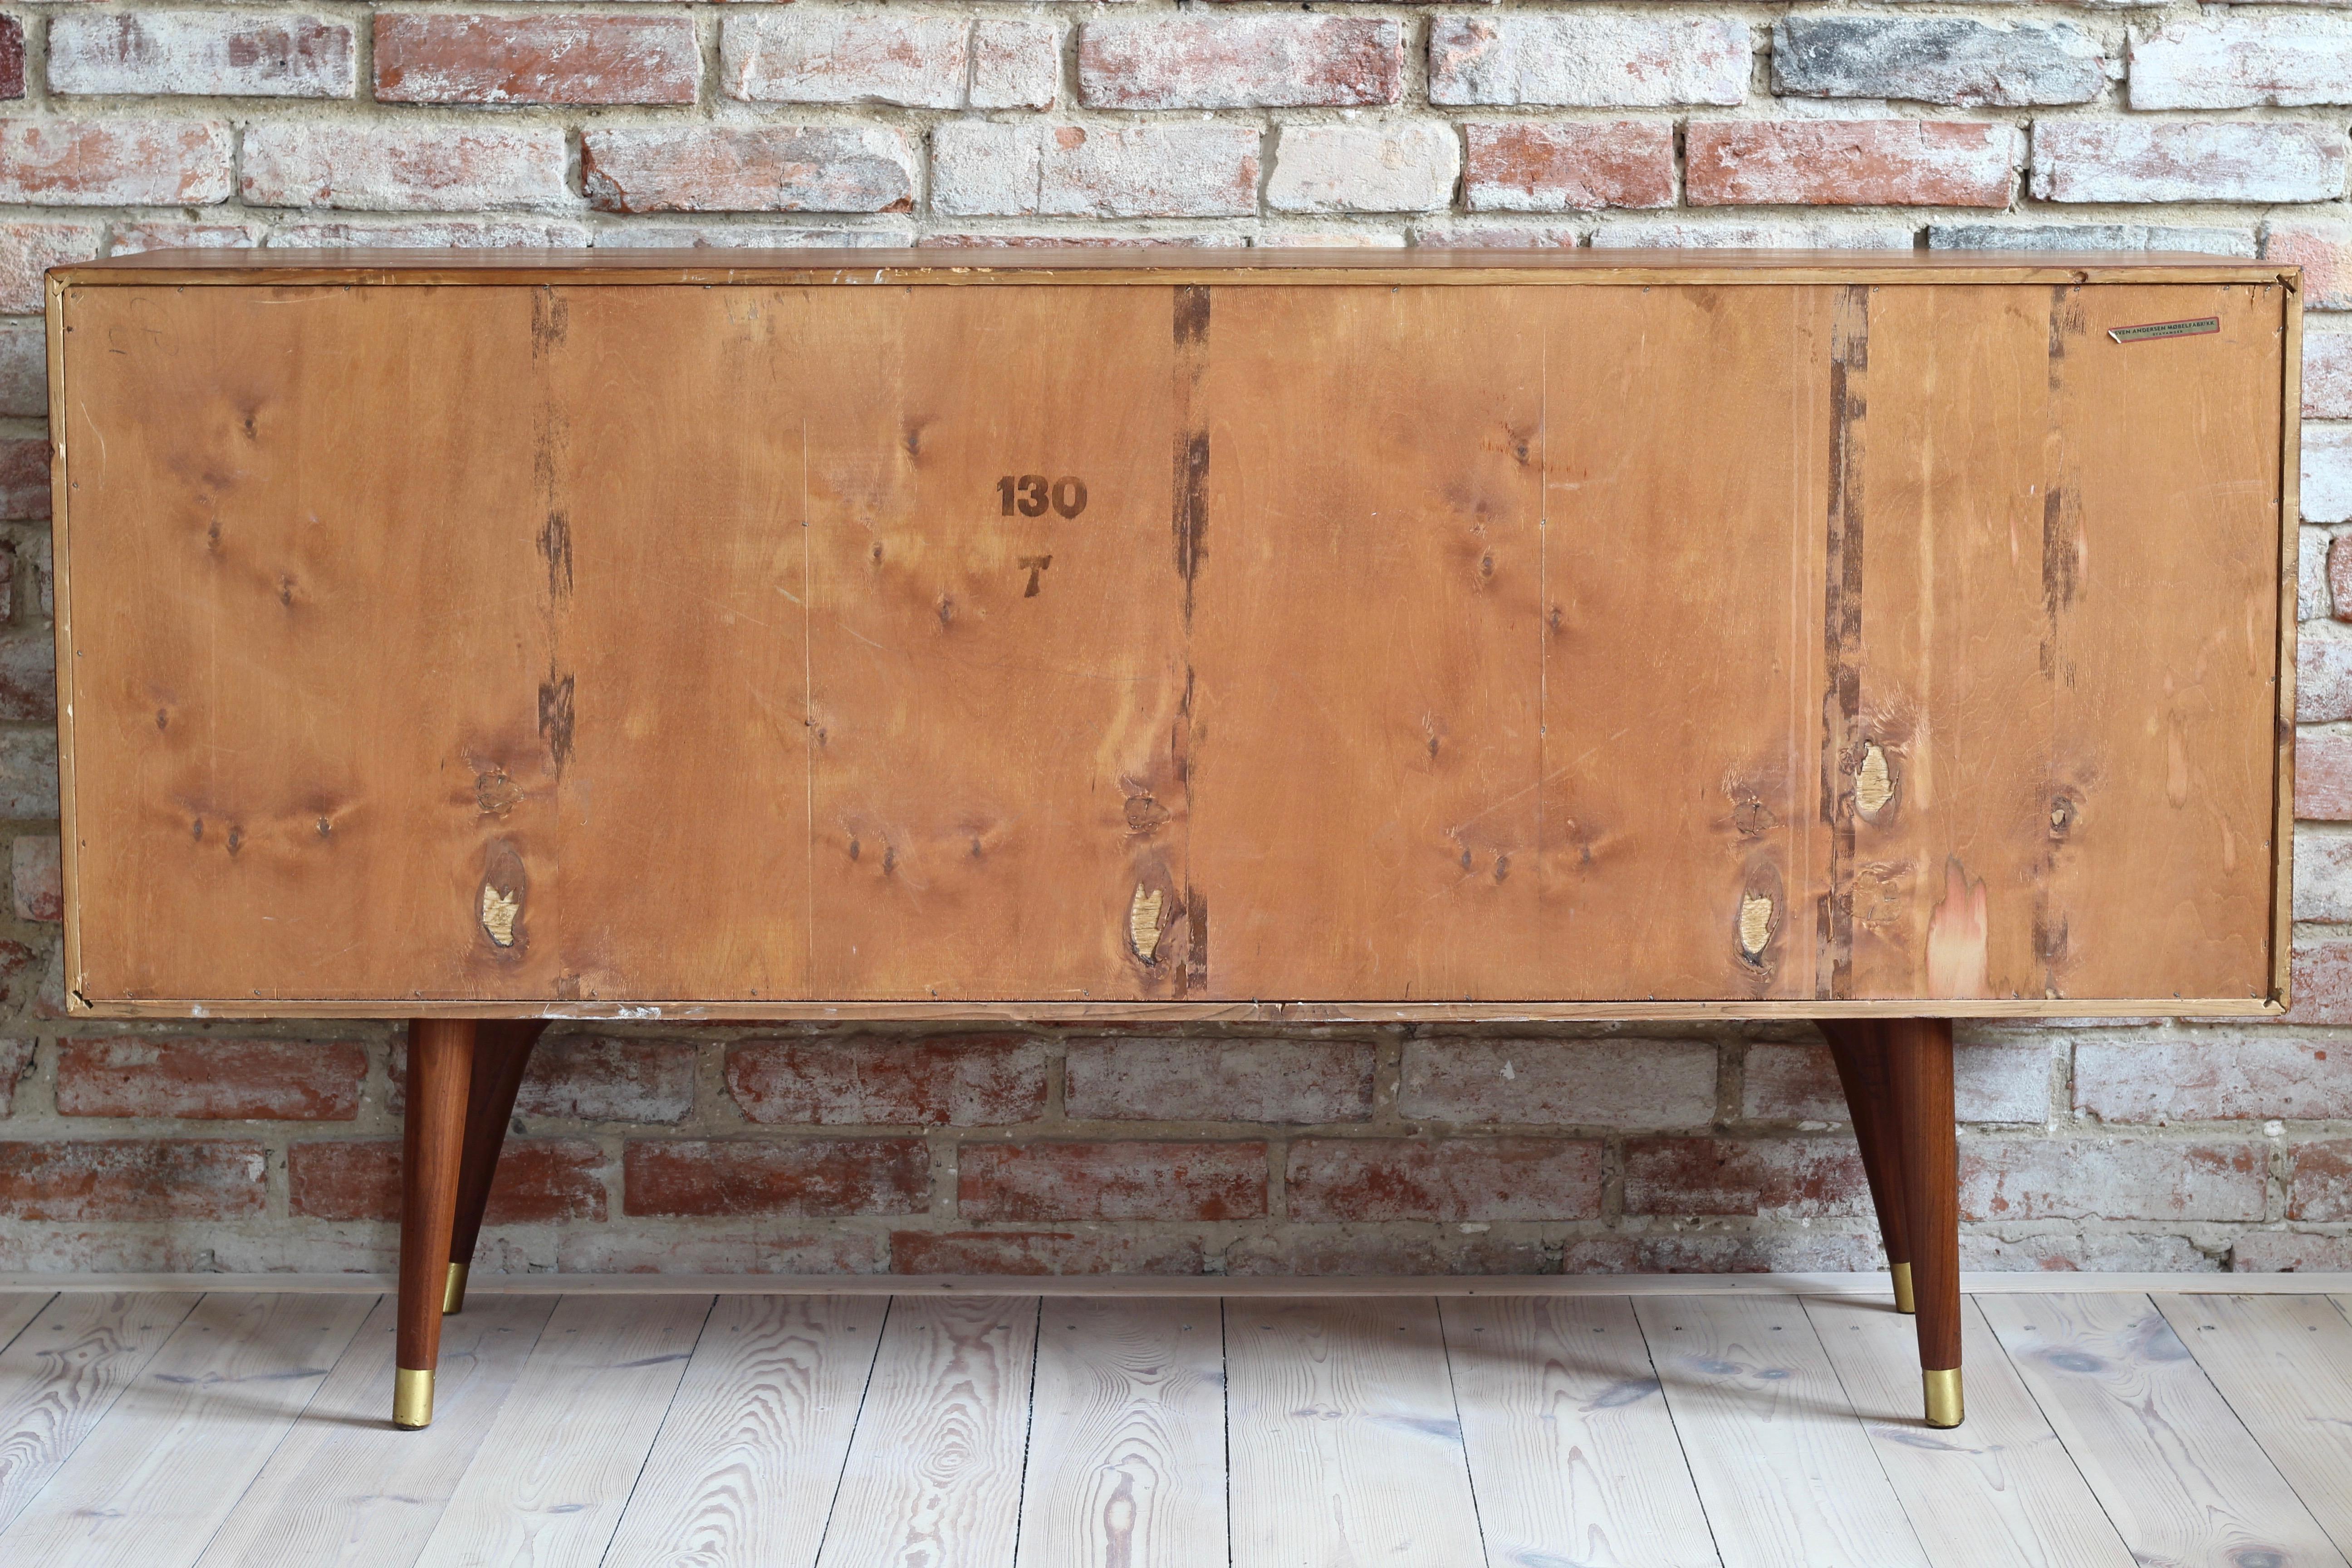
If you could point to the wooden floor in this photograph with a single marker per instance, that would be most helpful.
(949, 1430)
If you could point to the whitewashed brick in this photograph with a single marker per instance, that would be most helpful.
(1364, 168)
(1497, 236)
(395, 168)
(923, 61)
(2215, 1075)
(1629, 1083)
(1633, 233)
(23, 372)
(2188, 161)
(2323, 675)
(1627, 61)
(2311, 598)
(769, 168)
(748, 236)
(2237, 62)
(2105, 1178)
(2326, 373)
(1149, 170)
(2323, 249)
(2322, 873)
(2327, 472)
(1935, 59)
(1240, 61)
(209, 54)
(456, 234)
(1997, 1080)
(2089, 236)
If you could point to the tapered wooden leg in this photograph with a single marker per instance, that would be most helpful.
(1919, 1073)
(440, 1063)
(1860, 1050)
(501, 1051)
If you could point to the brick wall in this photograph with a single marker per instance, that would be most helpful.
(2145, 1144)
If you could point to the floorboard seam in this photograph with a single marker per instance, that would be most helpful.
(46, 1301)
(1469, 1473)
(1682, 1444)
(1862, 1421)
(670, 1406)
(1028, 1428)
(841, 1472)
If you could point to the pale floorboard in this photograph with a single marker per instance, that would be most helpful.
(62, 1372)
(934, 1473)
(2168, 1459)
(345, 1487)
(1345, 1443)
(747, 1464)
(1999, 1490)
(551, 1479)
(1787, 1475)
(149, 1486)
(18, 1308)
(2284, 1364)
(1127, 1451)
(1572, 1452)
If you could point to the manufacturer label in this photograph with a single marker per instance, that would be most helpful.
(2166, 329)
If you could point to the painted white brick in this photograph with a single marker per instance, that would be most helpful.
(982, 169)
(2237, 62)
(1364, 168)
(2311, 600)
(2188, 161)
(210, 54)
(815, 55)
(2327, 472)
(1625, 61)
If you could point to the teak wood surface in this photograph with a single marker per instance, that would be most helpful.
(1484, 635)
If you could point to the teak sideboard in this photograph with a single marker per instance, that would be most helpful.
(484, 638)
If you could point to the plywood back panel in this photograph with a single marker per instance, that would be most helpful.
(1138, 649)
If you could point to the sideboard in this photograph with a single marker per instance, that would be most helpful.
(486, 638)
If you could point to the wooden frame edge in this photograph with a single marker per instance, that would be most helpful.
(61, 627)
(2290, 574)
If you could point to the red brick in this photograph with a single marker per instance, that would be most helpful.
(2323, 249)
(2319, 981)
(2323, 776)
(15, 1061)
(540, 1180)
(1850, 162)
(804, 1176)
(614, 1251)
(12, 57)
(1452, 1179)
(2082, 1178)
(1320, 1252)
(965, 1080)
(1785, 1178)
(589, 1077)
(133, 1179)
(216, 1079)
(2320, 1190)
(398, 166)
(1560, 1083)
(1239, 62)
(29, 250)
(220, 53)
(1043, 1252)
(826, 168)
(436, 57)
(1573, 167)
(2291, 1252)
(24, 478)
(1141, 1078)
(1111, 1181)
(103, 162)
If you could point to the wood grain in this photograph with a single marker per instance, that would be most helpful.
(1999, 1489)
(1572, 1453)
(1786, 1475)
(2284, 1364)
(17, 1309)
(1337, 695)
(343, 1486)
(188, 1436)
(1346, 1441)
(933, 1476)
(63, 1371)
(2168, 1460)
(600, 1377)
(1127, 1452)
(750, 1456)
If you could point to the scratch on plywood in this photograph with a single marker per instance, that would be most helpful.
(1955, 937)
(1143, 922)
(499, 908)
(1755, 925)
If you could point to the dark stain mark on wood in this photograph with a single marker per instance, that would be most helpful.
(1191, 511)
(1842, 636)
(1145, 814)
(235, 839)
(550, 319)
(555, 549)
(1196, 961)
(555, 718)
(1034, 566)
(495, 792)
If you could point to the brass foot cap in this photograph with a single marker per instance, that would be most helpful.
(453, 1294)
(1904, 1300)
(412, 1399)
(1944, 1404)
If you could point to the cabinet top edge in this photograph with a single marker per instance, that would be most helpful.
(1162, 265)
